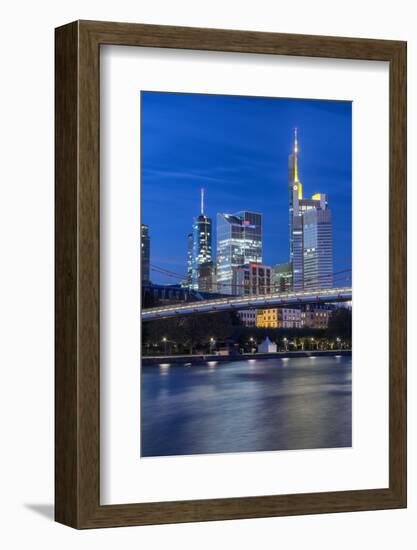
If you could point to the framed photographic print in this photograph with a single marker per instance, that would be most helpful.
(230, 274)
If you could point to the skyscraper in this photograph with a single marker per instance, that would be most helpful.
(202, 238)
(239, 242)
(318, 248)
(295, 218)
(145, 252)
(189, 281)
(310, 229)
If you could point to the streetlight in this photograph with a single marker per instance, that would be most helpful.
(285, 344)
(251, 340)
(312, 342)
(165, 344)
(212, 342)
(338, 342)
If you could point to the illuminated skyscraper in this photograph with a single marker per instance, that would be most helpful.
(318, 247)
(310, 228)
(189, 260)
(239, 242)
(145, 251)
(296, 221)
(202, 237)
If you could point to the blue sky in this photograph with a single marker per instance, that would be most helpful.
(237, 149)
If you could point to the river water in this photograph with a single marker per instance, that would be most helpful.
(248, 405)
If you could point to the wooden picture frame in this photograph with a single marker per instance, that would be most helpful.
(77, 405)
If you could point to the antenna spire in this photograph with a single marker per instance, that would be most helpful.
(202, 201)
(295, 155)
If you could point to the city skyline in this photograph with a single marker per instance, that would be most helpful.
(242, 124)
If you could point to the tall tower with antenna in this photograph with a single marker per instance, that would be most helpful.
(202, 245)
(295, 191)
(310, 232)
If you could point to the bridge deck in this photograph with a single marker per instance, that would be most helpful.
(342, 294)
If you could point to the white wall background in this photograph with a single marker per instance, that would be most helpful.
(26, 289)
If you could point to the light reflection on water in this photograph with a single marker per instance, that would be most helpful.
(250, 405)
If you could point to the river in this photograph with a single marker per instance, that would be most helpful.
(249, 405)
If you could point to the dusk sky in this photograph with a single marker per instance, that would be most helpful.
(237, 149)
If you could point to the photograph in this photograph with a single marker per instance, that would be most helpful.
(194, 196)
(246, 281)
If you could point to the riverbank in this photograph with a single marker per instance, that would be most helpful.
(200, 359)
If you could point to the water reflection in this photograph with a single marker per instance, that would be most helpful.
(251, 405)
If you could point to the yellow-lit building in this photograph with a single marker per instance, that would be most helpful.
(267, 318)
(282, 317)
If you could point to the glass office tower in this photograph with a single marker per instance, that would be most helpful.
(239, 242)
(318, 248)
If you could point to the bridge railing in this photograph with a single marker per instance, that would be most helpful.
(319, 294)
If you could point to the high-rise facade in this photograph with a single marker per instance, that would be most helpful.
(252, 280)
(207, 277)
(239, 242)
(310, 229)
(145, 252)
(202, 247)
(189, 280)
(318, 248)
(283, 277)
